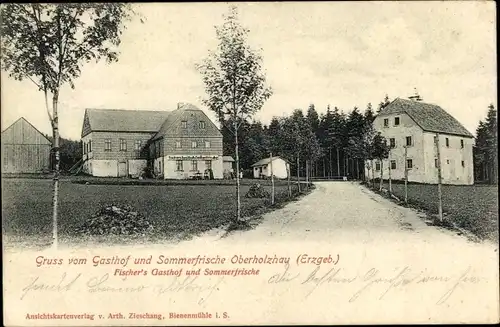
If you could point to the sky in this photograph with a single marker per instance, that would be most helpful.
(342, 54)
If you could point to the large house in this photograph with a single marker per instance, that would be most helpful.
(178, 144)
(415, 125)
(24, 149)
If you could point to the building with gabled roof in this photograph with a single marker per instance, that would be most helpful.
(415, 125)
(262, 168)
(178, 144)
(24, 149)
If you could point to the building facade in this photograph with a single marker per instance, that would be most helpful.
(24, 149)
(262, 168)
(180, 144)
(415, 125)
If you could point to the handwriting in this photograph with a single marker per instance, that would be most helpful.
(63, 285)
(365, 282)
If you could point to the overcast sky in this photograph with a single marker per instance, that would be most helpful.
(344, 54)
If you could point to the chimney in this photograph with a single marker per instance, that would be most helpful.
(416, 96)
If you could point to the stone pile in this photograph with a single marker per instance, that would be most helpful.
(257, 191)
(116, 220)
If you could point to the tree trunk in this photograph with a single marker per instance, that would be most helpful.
(289, 182)
(357, 169)
(55, 199)
(307, 173)
(338, 162)
(272, 179)
(390, 177)
(331, 169)
(324, 168)
(236, 150)
(298, 172)
(381, 174)
(373, 174)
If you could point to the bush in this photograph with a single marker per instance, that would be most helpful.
(257, 191)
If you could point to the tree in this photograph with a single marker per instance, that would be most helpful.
(380, 152)
(486, 150)
(234, 82)
(49, 43)
(383, 104)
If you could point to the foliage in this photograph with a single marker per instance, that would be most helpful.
(486, 148)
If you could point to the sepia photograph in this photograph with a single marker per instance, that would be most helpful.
(228, 163)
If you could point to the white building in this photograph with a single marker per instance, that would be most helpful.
(262, 168)
(415, 124)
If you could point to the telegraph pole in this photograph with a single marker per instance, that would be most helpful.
(440, 194)
(406, 174)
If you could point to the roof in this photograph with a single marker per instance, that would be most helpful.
(117, 120)
(430, 117)
(265, 161)
(227, 158)
(186, 112)
(8, 137)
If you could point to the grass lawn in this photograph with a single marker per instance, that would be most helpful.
(472, 207)
(176, 211)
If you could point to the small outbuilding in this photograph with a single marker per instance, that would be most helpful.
(24, 149)
(262, 168)
(228, 167)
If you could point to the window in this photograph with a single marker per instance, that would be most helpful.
(392, 142)
(138, 144)
(208, 164)
(463, 163)
(447, 142)
(194, 144)
(90, 145)
(179, 165)
(123, 145)
(207, 144)
(396, 121)
(201, 124)
(409, 141)
(436, 163)
(409, 163)
(194, 165)
(393, 164)
(386, 122)
(107, 145)
(377, 166)
(184, 124)
(178, 144)
(447, 161)
(461, 144)
(84, 148)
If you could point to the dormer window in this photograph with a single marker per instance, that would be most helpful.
(201, 124)
(184, 124)
(396, 121)
(178, 144)
(194, 144)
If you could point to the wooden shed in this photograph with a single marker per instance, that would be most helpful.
(24, 149)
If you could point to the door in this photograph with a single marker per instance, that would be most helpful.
(122, 169)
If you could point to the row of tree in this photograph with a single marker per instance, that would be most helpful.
(486, 149)
(317, 145)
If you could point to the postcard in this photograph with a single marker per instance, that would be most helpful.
(249, 163)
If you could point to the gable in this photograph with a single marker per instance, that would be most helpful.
(173, 125)
(86, 128)
(22, 132)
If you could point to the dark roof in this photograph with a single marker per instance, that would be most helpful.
(117, 120)
(227, 159)
(430, 117)
(265, 161)
(172, 125)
